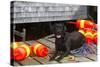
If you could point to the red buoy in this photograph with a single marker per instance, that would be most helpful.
(39, 50)
(21, 52)
(85, 24)
(89, 36)
(82, 31)
(95, 37)
(13, 46)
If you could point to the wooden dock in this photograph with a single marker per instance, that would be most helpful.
(50, 43)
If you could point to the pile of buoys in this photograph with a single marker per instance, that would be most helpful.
(90, 35)
(20, 52)
(39, 50)
(85, 24)
(88, 29)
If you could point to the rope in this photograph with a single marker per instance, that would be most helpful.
(85, 50)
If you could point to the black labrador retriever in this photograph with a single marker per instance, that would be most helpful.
(65, 41)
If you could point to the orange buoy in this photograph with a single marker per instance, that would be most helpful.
(39, 49)
(85, 24)
(89, 36)
(21, 52)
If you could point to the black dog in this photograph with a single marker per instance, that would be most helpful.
(58, 30)
(65, 42)
(71, 41)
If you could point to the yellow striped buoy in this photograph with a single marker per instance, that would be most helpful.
(85, 24)
(21, 52)
(39, 50)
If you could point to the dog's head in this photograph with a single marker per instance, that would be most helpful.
(58, 28)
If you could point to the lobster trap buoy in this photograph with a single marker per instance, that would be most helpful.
(89, 36)
(85, 24)
(82, 31)
(13, 46)
(95, 37)
(39, 50)
(21, 52)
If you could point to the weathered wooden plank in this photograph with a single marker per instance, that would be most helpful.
(52, 62)
(47, 43)
(51, 40)
(16, 64)
(81, 59)
(50, 36)
(68, 59)
(30, 42)
(42, 60)
(92, 57)
(29, 61)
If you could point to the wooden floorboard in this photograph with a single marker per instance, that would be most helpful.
(92, 57)
(29, 61)
(50, 36)
(47, 43)
(82, 59)
(16, 64)
(51, 40)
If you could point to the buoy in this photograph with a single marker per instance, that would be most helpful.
(11, 54)
(85, 24)
(21, 52)
(39, 50)
(13, 46)
(95, 37)
(82, 31)
(89, 36)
